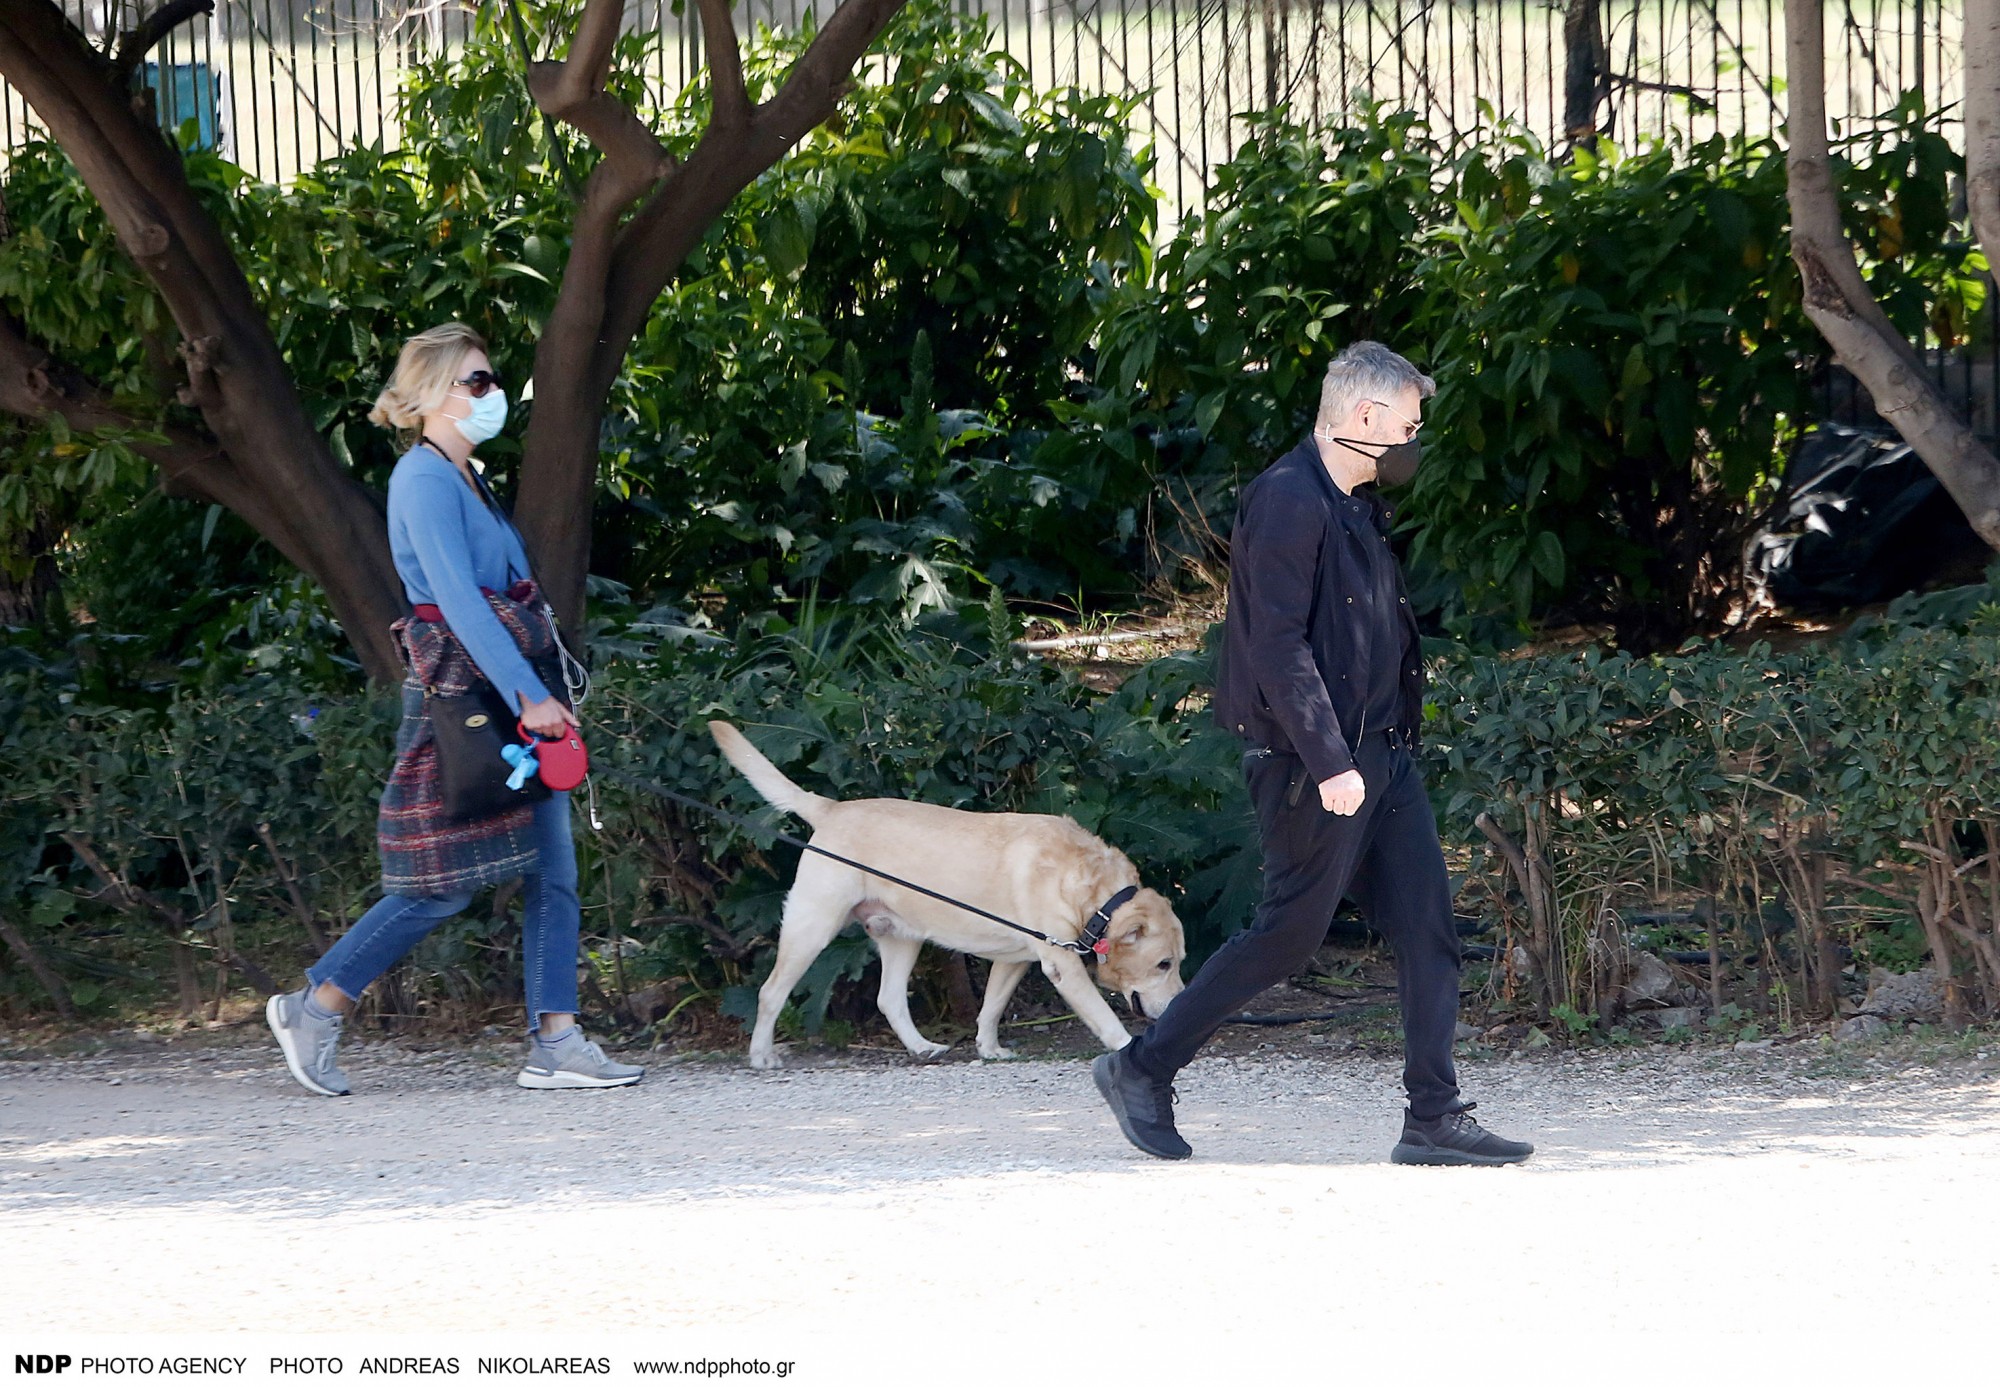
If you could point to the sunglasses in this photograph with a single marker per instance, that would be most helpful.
(1410, 425)
(478, 383)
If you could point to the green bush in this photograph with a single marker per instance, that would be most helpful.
(953, 200)
(1805, 809)
(750, 377)
(1623, 359)
(930, 353)
(1792, 803)
(1311, 238)
(237, 822)
(1620, 351)
(1620, 354)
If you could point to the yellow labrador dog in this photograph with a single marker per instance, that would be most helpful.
(1037, 869)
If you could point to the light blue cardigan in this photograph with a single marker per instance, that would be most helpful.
(448, 544)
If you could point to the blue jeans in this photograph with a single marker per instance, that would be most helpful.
(551, 921)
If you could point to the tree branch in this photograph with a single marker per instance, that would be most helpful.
(50, 980)
(34, 385)
(134, 900)
(290, 877)
(653, 244)
(573, 91)
(585, 71)
(143, 37)
(618, 265)
(824, 73)
(1842, 308)
(729, 103)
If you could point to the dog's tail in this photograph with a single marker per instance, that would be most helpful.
(765, 778)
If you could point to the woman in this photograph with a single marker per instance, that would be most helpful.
(476, 613)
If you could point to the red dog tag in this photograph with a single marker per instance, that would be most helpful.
(563, 759)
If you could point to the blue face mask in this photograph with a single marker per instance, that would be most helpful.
(488, 416)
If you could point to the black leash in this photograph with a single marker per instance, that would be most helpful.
(1090, 943)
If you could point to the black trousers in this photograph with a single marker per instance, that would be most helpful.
(1385, 857)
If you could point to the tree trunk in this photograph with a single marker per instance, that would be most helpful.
(616, 269)
(1584, 73)
(271, 466)
(30, 582)
(1982, 123)
(1840, 306)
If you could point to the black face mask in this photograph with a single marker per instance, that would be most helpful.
(1395, 464)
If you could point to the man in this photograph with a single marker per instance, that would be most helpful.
(1320, 676)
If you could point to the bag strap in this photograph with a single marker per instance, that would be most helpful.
(499, 512)
(512, 529)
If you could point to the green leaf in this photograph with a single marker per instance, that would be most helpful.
(1548, 557)
(1209, 410)
(515, 267)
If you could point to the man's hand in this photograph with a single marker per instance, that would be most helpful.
(547, 718)
(1343, 794)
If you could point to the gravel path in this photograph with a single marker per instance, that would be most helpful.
(197, 1189)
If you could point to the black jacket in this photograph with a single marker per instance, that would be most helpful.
(1295, 649)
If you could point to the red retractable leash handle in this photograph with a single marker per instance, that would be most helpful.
(564, 761)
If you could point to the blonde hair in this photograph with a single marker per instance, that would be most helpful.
(426, 369)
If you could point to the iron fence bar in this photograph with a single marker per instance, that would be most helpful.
(1525, 78)
(1917, 48)
(1125, 42)
(1687, 56)
(292, 72)
(1180, 121)
(1446, 64)
(1742, 93)
(1049, 32)
(354, 34)
(1478, 76)
(1770, 42)
(381, 92)
(333, 50)
(312, 48)
(201, 57)
(1228, 65)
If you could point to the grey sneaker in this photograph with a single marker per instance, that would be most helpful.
(573, 1062)
(308, 1043)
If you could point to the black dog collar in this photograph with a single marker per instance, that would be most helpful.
(1093, 929)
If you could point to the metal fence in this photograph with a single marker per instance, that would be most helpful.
(280, 84)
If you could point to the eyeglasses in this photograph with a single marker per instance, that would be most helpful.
(478, 383)
(1411, 424)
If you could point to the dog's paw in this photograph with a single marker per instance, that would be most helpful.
(930, 1050)
(768, 1059)
(997, 1052)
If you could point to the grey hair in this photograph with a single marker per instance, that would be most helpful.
(1367, 371)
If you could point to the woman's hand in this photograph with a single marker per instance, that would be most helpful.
(545, 718)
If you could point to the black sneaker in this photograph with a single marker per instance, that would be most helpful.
(1144, 1107)
(1455, 1139)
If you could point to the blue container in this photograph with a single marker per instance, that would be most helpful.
(184, 92)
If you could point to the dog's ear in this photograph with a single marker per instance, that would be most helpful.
(1132, 923)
